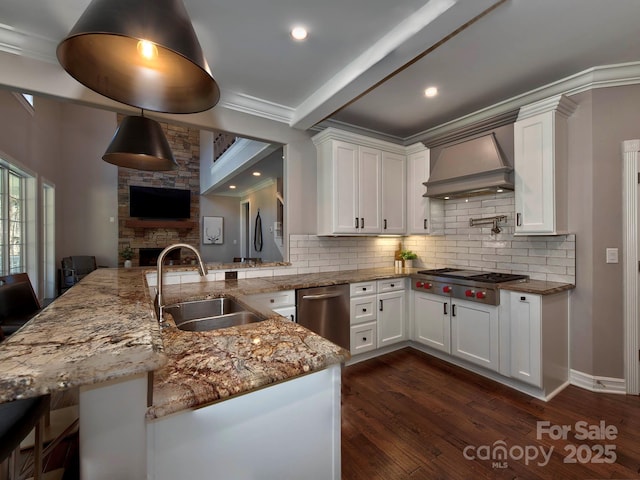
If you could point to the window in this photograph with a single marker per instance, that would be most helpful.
(13, 221)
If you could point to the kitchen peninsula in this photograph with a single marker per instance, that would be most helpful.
(263, 397)
(102, 336)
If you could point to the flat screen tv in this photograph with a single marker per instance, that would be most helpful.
(159, 203)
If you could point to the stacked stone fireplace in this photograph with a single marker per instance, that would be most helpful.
(149, 238)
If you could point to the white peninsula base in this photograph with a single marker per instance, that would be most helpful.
(289, 430)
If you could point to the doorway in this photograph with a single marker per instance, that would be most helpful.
(245, 228)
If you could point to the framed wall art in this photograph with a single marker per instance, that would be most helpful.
(212, 230)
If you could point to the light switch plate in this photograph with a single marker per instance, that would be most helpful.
(612, 255)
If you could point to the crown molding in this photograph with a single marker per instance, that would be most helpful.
(27, 44)
(596, 77)
(255, 106)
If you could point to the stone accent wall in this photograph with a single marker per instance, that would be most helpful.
(185, 144)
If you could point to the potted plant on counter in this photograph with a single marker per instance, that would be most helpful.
(127, 254)
(408, 257)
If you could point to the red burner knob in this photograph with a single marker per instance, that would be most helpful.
(470, 293)
(446, 289)
(419, 284)
(481, 295)
(428, 286)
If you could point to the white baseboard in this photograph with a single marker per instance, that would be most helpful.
(597, 384)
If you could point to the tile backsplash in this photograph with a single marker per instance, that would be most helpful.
(541, 257)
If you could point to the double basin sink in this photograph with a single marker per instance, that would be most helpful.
(210, 314)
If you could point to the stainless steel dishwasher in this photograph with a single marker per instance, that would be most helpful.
(325, 310)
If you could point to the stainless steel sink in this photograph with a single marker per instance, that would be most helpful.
(212, 314)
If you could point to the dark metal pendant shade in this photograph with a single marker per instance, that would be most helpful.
(140, 143)
(103, 52)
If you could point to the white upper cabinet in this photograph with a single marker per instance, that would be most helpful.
(394, 193)
(424, 215)
(361, 185)
(540, 163)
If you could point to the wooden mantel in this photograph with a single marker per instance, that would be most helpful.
(145, 224)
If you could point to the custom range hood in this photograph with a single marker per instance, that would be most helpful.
(471, 158)
(472, 167)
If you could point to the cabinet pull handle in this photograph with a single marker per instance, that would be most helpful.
(364, 289)
(523, 299)
(364, 339)
(425, 224)
(381, 301)
(445, 308)
(385, 223)
(293, 318)
(356, 222)
(393, 285)
(453, 310)
(519, 219)
(364, 310)
(361, 222)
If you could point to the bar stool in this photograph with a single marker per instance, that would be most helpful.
(17, 419)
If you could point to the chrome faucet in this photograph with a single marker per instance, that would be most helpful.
(202, 268)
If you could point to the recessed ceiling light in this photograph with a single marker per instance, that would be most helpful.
(431, 92)
(299, 33)
(232, 187)
(256, 174)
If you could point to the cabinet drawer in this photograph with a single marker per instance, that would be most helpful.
(363, 337)
(391, 285)
(362, 288)
(276, 299)
(363, 309)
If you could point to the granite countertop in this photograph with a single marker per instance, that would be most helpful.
(101, 329)
(537, 287)
(104, 328)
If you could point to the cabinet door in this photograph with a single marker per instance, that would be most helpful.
(391, 318)
(432, 324)
(534, 174)
(345, 181)
(394, 193)
(369, 185)
(474, 333)
(526, 345)
(417, 205)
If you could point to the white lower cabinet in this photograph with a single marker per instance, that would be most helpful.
(525, 341)
(474, 333)
(378, 314)
(363, 317)
(467, 330)
(282, 302)
(538, 339)
(432, 325)
(392, 326)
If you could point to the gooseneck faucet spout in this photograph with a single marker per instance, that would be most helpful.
(202, 268)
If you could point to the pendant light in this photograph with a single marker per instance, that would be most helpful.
(143, 53)
(140, 143)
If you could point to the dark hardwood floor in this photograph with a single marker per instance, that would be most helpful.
(407, 415)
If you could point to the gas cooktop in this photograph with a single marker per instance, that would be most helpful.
(475, 275)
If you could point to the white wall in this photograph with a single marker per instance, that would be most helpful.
(229, 209)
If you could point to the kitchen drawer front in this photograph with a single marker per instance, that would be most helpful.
(284, 298)
(391, 285)
(362, 288)
(362, 309)
(363, 337)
